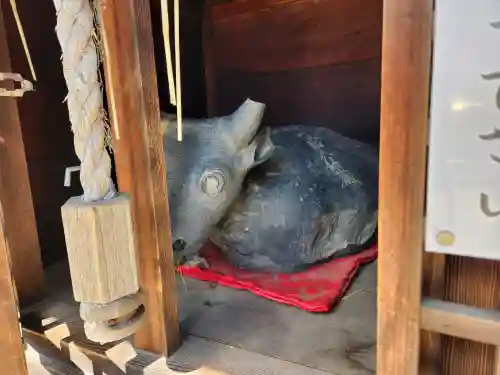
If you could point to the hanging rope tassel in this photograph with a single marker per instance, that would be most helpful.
(102, 264)
(174, 88)
(178, 93)
(168, 51)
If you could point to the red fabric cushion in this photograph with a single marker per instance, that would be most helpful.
(317, 289)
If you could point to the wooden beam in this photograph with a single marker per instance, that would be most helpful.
(134, 111)
(15, 191)
(406, 56)
(453, 319)
(11, 345)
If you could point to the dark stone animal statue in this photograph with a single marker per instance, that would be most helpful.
(205, 171)
(316, 198)
(292, 197)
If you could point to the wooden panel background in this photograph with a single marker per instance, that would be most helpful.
(193, 79)
(310, 62)
(44, 118)
(18, 236)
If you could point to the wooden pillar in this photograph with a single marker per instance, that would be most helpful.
(134, 112)
(15, 191)
(11, 346)
(406, 54)
(14, 235)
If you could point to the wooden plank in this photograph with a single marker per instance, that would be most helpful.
(453, 319)
(11, 345)
(196, 356)
(344, 342)
(209, 58)
(315, 33)
(296, 60)
(15, 192)
(406, 56)
(134, 111)
(48, 140)
(472, 282)
(496, 369)
(433, 280)
(43, 357)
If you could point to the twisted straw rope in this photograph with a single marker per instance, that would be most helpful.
(80, 60)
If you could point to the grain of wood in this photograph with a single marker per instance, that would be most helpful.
(295, 34)
(101, 249)
(197, 357)
(11, 346)
(457, 320)
(406, 56)
(310, 62)
(209, 58)
(473, 282)
(15, 192)
(432, 287)
(44, 122)
(496, 369)
(131, 84)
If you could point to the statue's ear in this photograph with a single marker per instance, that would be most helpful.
(243, 123)
(258, 151)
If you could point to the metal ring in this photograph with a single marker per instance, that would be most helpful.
(91, 312)
(104, 332)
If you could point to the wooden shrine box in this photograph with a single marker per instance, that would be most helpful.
(361, 67)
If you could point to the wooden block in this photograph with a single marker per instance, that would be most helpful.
(101, 249)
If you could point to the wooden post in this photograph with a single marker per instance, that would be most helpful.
(11, 345)
(15, 191)
(134, 111)
(406, 54)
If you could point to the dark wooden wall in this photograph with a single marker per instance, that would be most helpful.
(191, 41)
(315, 62)
(44, 119)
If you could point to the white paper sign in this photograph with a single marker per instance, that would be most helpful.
(463, 192)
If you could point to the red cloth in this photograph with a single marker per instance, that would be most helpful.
(317, 289)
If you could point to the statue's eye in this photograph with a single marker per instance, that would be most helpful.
(212, 182)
